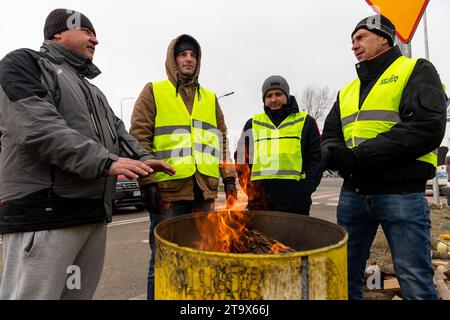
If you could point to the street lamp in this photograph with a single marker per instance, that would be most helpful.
(225, 95)
(121, 106)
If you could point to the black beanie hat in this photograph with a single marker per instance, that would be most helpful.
(379, 25)
(275, 82)
(185, 42)
(60, 20)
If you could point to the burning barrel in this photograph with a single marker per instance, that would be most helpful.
(316, 270)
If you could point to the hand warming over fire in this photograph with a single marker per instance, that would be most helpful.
(158, 165)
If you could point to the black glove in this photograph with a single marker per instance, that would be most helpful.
(341, 159)
(150, 197)
(230, 191)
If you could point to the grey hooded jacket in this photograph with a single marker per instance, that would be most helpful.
(59, 138)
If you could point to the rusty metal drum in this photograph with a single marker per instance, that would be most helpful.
(316, 271)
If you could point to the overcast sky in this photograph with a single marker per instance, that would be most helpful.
(243, 42)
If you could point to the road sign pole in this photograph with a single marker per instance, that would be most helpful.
(405, 48)
(425, 30)
(436, 190)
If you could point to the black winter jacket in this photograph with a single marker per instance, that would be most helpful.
(280, 194)
(387, 163)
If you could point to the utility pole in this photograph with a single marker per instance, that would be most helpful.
(425, 30)
(406, 50)
(436, 192)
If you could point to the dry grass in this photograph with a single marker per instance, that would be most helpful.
(440, 222)
(380, 253)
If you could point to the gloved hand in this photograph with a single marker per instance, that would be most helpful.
(150, 197)
(230, 192)
(341, 159)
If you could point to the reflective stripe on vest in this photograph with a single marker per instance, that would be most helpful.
(278, 151)
(380, 111)
(187, 142)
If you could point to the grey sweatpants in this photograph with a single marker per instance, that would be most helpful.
(53, 264)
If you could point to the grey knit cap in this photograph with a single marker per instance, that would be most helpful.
(60, 20)
(379, 25)
(275, 82)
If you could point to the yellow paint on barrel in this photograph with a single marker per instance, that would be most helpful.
(184, 273)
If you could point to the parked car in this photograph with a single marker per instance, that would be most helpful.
(442, 172)
(442, 176)
(128, 194)
(446, 189)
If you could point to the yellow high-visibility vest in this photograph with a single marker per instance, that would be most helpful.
(380, 111)
(278, 150)
(188, 142)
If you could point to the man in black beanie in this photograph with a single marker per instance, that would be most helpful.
(379, 25)
(62, 149)
(380, 136)
(61, 20)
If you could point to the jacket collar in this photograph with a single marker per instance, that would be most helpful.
(83, 66)
(290, 107)
(371, 69)
(278, 116)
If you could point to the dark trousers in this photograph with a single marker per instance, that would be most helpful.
(405, 219)
(169, 210)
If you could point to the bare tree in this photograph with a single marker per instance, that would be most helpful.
(316, 101)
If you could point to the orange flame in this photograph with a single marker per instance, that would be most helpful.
(278, 248)
(223, 231)
(244, 172)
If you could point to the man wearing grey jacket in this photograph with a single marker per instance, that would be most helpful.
(62, 148)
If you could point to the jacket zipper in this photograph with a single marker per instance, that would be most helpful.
(93, 112)
(94, 124)
(94, 117)
(113, 136)
(108, 123)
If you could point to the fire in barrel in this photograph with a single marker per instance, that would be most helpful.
(246, 255)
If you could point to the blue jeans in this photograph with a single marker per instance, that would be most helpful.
(405, 219)
(169, 210)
